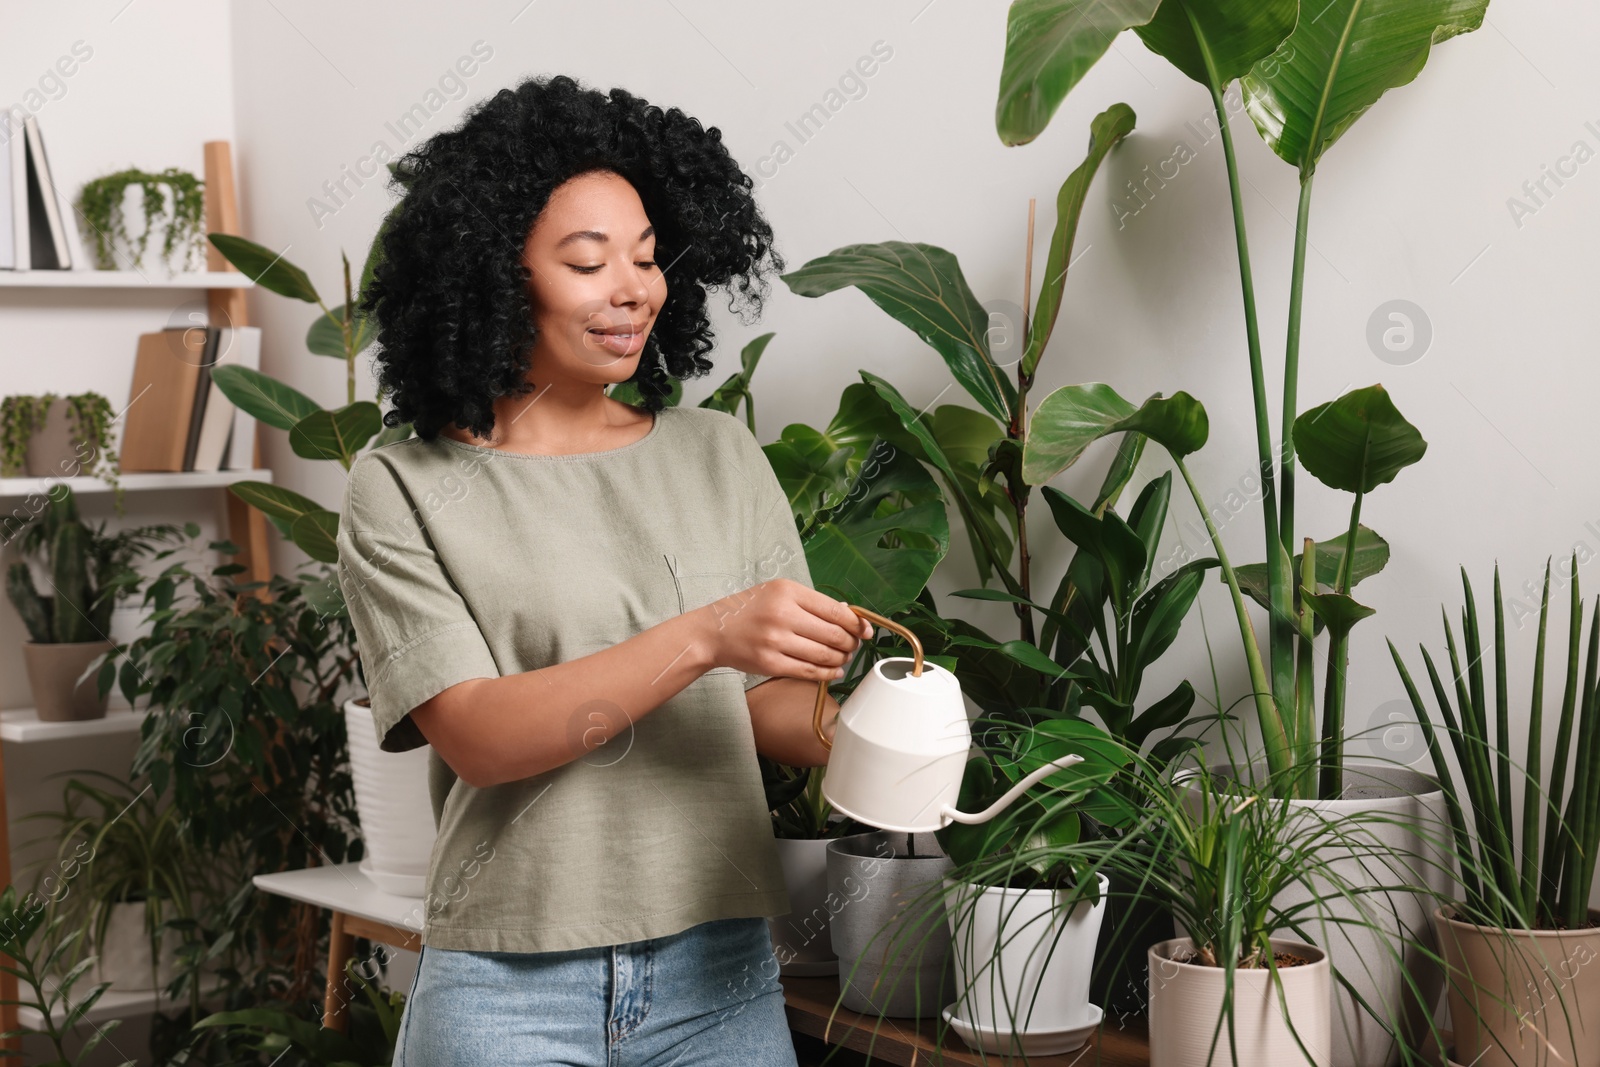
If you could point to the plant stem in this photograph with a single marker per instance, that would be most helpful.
(1291, 362)
(1277, 743)
(1280, 623)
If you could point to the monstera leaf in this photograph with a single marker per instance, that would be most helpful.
(1342, 56)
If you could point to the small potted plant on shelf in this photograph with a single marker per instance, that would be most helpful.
(172, 202)
(54, 436)
(88, 571)
(128, 868)
(1520, 944)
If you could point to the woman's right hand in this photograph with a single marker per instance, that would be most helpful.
(784, 629)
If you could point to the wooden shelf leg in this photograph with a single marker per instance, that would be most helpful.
(341, 943)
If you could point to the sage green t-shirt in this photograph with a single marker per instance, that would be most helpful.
(459, 561)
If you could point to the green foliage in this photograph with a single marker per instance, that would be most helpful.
(88, 570)
(1510, 882)
(294, 1041)
(130, 850)
(182, 205)
(338, 434)
(245, 729)
(37, 950)
(1306, 80)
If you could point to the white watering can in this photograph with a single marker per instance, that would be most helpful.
(900, 746)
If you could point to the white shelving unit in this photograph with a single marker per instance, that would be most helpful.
(21, 726)
(22, 487)
(122, 279)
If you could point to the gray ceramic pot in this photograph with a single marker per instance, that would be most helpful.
(890, 935)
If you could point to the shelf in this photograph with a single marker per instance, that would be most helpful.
(809, 1003)
(21, 726)
(111, 1005)
(135, 482)
(123, 279)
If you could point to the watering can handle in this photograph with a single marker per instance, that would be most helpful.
(822, 683)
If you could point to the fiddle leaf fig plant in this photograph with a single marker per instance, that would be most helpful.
(1307, 73)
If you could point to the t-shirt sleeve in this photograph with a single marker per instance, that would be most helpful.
(415, 633)
(775, 547)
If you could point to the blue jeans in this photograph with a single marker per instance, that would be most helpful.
(706, 997)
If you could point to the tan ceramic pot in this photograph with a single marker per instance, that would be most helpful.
(1508, 987)
(1186, 1003)
(61, 691)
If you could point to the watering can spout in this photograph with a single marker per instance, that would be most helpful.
(1005, 801)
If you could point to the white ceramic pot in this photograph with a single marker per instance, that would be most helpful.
(1384, 808)
(393, 806)
(1186, 1001)
(125, 959)
(801, 939)
(1022, 965)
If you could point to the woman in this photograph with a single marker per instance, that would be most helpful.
(597, 614)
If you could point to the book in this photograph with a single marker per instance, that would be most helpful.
(8, 236)
(161, 401)
(246, 352)
(202, 394)
(69, 226)
(17, 149)
(47, 239)
(217, 423)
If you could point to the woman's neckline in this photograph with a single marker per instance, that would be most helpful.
(655, 428)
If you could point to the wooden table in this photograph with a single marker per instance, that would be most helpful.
(809, 1003)
(360, 909)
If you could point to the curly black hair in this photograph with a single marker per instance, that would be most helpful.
(449, 291)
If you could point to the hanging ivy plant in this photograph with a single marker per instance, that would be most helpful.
(89, 415)
(173, 194)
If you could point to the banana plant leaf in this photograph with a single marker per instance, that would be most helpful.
(1357, 442)
(1073, 417)
(1339, 60)
(1232, 35)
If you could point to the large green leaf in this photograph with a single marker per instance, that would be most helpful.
(1159, 614)
(1050, 46)
(1108, 127)
(846, 553)
(326, 335)
(1108, 539)
(336, 434)
(1342, 56)
(1357, 442)
(265, 267)
(923, 288)
(1372, 553)
(1073, 417)
(1234, 34)
(735, 389)
(276, 404)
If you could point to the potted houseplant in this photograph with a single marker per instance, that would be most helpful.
(1025, 920)
(88, 571)
(1304, 84)
(135, 864)
(54, 436)
(1520, 942)
(172, 202)
(244, 729)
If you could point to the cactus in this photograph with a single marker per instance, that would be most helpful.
(87, 569)
(34, 609)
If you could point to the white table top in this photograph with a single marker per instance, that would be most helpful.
(344, 888)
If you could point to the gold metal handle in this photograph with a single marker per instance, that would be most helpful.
(822, 683)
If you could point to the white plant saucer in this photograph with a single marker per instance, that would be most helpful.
(1032, 1043)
